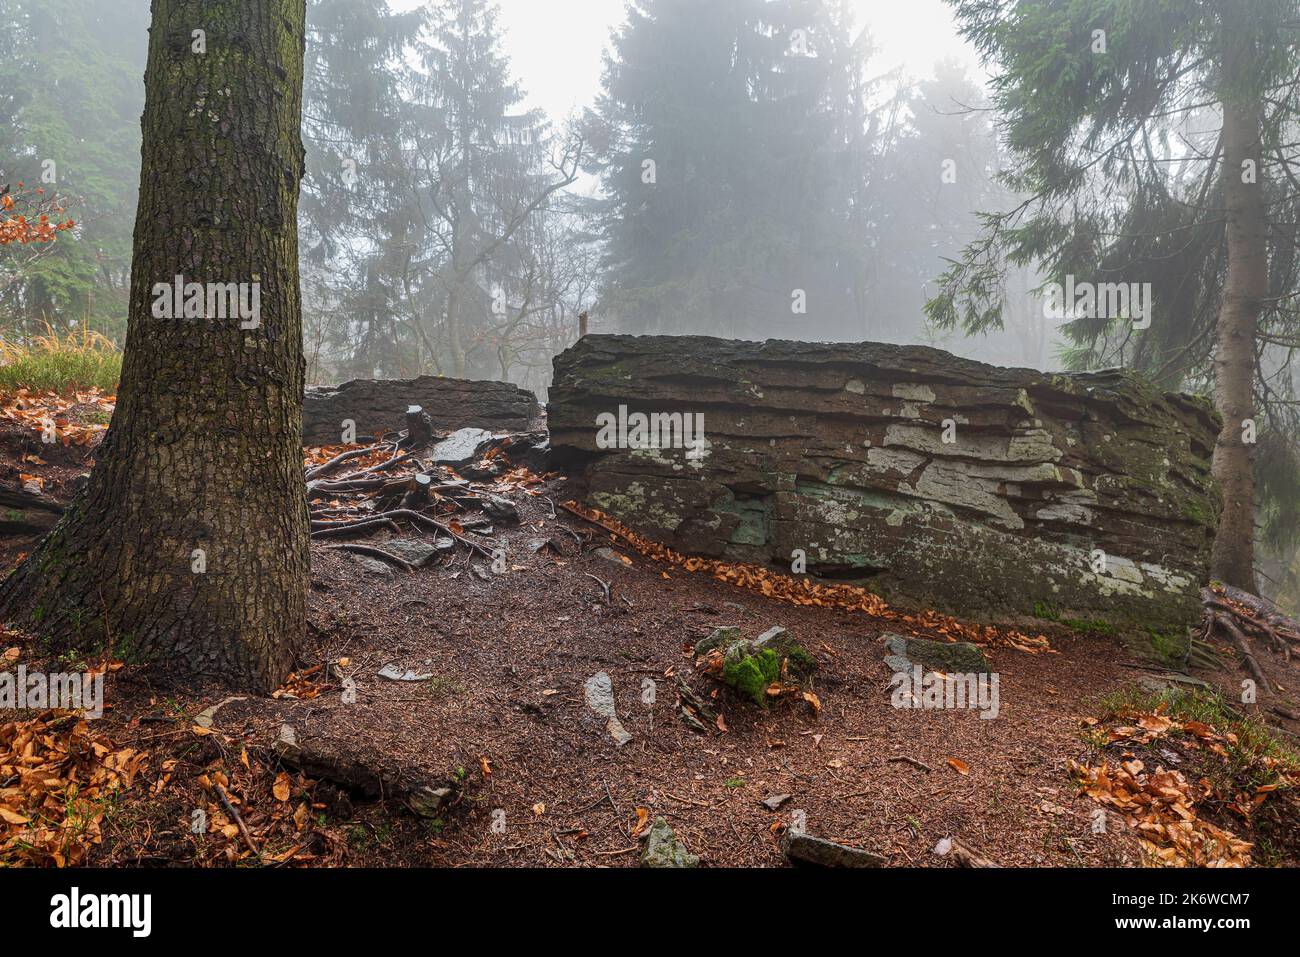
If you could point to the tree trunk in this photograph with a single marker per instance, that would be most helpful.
(189, 546)
(1232, 561)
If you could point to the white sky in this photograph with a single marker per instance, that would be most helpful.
(555, 46)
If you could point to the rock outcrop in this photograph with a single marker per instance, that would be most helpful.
(934, 480)
(379, 405)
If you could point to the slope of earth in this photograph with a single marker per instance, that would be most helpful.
(497, 706)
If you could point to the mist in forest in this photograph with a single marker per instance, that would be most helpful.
(480, 174)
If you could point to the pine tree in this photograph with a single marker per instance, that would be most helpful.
(1154, 143)
(732, 139)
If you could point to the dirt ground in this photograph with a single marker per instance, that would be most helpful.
(540, 781)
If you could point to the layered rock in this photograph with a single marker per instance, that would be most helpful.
(379, 405)
(937, 481)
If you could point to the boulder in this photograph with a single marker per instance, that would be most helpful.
(379, 405)
(934, 481)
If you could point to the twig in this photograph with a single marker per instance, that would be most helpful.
(600, 582)
(326, 467)
(243, 828)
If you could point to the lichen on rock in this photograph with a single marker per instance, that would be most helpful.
(933, 480)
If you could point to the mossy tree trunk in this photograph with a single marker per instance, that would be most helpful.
(189, 545)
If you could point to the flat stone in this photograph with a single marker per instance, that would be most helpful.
(608, 554)
(806, 849)
(775, 802)
(953, 657)
(463, 445)
(663, 849)
(374, 566)
(599, 692)
(394, 673)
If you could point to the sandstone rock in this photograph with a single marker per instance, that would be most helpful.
(379, 405)
(1084, 495)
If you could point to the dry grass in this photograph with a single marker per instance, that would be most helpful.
(79, 359)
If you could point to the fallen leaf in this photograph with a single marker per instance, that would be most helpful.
(642, 819)
(281, 787)
(958, 765)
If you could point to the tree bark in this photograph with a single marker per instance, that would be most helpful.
(189, 545)
(1233, 559)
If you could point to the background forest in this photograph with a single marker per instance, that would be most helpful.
(747, 169)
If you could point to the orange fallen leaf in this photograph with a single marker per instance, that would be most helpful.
(486, 765)
(958, 765)
(281, 787)
(642, 819)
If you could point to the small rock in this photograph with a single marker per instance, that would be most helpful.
(954, 657)
(373, 566)
(501, 509)
(663, 849)
(600, 699)
(773, 636)
(417, 551)
(394, 673)
(806, 849)
(774, 802)
(427, 802)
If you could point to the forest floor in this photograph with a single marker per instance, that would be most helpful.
(499, 710)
